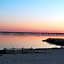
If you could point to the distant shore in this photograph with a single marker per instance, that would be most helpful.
(40, 33)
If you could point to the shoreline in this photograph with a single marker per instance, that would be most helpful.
(28, 50)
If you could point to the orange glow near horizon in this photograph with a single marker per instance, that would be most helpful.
(33, 25)
(32, 28)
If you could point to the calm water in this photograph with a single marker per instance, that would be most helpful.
(25, 41)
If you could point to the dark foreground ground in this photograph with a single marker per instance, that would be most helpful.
(55, 56)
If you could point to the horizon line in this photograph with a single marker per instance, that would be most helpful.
(28, 32)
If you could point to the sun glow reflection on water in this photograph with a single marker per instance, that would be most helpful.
(25, 41)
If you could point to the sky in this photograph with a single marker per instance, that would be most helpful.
(32, 15)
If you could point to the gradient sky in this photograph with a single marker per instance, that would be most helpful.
(32, 15)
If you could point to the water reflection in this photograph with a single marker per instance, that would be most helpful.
(25, 41)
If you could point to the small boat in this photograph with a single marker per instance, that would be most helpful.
(56, 41)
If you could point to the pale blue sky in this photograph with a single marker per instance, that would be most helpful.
(31, 6)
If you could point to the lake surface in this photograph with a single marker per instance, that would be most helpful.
(25, 41)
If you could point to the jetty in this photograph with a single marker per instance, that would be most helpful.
(56, 41)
